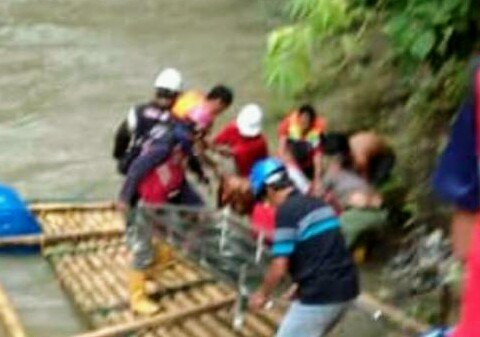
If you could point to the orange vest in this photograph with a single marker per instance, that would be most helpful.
(312, 136)
(187, 101)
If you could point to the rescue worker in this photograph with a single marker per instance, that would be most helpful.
(243, 139)
(308, 244)
(135, 129)
(456, 180)
(299, 137)
(155, 177)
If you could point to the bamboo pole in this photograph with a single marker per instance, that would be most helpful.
(61, 206)
(9, 318)
(42, 239)
(161, 319)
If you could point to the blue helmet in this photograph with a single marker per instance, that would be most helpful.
(261, 171)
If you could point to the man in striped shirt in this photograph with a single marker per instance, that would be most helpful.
(309, 245)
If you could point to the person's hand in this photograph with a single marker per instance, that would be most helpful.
(291, 293)
(224, 151)
(257, 301)
(317, 189)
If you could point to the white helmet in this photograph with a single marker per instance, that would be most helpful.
(249, 120)
(169, 78)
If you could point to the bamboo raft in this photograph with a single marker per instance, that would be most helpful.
(92, 271)
(85, 247)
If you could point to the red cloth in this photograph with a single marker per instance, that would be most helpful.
(469, 324)
(161, 183)
(245, 150)
(263, 220)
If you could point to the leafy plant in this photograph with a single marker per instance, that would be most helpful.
(397, 66)
(420, 29)
(290, 49)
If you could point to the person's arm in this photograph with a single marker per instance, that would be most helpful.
(223, 136)
(463, 223)
(195, 165)
(283, 246)
(122, 140)
(282, 134)
(222, 141)
(317, 188)
(276, 272)
(283, 152)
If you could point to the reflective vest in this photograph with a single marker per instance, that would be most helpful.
(295, 131)
(146, 121)
(186, 103)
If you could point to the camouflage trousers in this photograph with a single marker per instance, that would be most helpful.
(139, 237)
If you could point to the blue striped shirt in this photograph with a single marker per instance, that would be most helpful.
(308, 233)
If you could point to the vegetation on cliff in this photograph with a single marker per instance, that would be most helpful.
(396, 66)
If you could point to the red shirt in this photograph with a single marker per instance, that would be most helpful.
(245, 150)
(469, 323)
(164, 181)
(263, 220)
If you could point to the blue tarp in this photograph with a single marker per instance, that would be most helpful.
(15, 218)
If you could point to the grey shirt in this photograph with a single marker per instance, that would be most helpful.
(343, 183)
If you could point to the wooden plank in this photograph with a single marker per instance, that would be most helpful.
(42, 239)
(161, 319)
(59, 206)
(9, 318)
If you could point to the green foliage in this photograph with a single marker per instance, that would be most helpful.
(397, 66)
(418, 31)
(422, 29)
(287, 65)
(290, 49)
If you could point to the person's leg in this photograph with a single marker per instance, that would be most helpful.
(139, 241)
(311, 320)
(356, 221)
(188, 196)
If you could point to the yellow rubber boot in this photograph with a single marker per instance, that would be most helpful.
(164, 259)
(139, 301)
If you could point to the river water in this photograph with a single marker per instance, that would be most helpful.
(69, 72)
(71, 69)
